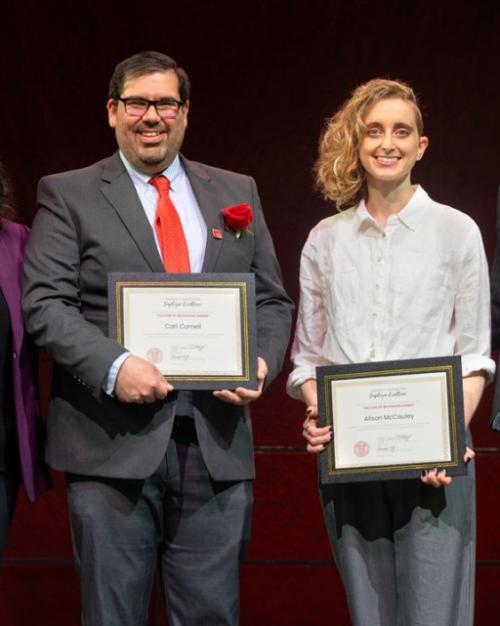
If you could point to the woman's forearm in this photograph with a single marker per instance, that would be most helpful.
(473, 387)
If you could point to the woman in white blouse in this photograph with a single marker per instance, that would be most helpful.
(393, 275)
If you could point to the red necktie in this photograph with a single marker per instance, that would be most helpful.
(174, 250)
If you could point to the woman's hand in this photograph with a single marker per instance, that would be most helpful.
(316, 437)
(473, 386)
(438, 478)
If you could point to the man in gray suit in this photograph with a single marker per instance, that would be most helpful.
(151, 470)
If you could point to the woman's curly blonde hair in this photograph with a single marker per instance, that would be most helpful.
(339, 173)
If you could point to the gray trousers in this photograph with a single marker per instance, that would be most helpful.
(198, 528)
(405, 550)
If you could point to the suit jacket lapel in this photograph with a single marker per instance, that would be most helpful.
(210, 207)
(120, 192)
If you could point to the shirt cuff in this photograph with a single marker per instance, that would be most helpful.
(297, 377)
(478, 363)
(110, 381)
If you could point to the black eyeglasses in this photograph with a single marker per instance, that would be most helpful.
(164, 107)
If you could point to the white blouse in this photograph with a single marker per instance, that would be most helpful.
(417, 288)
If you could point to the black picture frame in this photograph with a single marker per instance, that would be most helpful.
(327, 376)
(242, 283)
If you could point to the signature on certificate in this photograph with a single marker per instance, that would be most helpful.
(189, 352)
(393, 443)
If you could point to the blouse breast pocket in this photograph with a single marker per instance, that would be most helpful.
(421, 288)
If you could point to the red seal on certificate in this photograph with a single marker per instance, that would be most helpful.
(361, 448)
(154, 355)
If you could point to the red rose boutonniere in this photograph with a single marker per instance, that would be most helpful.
(238, 218)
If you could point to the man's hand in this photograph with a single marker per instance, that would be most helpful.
(139, 381)
(245, 396)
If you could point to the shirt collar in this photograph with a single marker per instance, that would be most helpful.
(172, 172)
(410, 215)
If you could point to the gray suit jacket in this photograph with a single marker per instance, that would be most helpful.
(495, 319)
(90, 222)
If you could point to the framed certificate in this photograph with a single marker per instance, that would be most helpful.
(198, 329)
(392, 419)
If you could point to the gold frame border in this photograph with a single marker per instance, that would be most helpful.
(241, 285)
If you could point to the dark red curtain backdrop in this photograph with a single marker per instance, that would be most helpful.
(265, 74)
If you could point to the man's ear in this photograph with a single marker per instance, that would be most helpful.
(185, 110)
(111, 106)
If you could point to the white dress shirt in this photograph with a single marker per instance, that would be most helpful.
(193, 224)
(416, 288)
(182, 196)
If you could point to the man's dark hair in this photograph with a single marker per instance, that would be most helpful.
(146, 63)
(6, 198)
